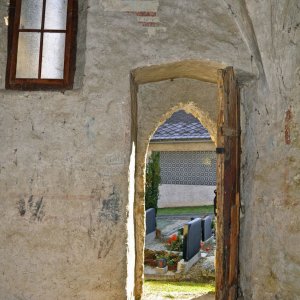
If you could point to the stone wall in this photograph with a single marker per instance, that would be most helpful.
(64, 156)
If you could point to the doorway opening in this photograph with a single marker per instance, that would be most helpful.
(179, 201)
(186, 77)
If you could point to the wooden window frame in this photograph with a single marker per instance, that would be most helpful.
(69, 57)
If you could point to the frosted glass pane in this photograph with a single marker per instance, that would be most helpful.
(31, 14)
(53, 56)
(28, 55)
(56, 14)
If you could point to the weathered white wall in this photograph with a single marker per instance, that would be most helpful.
(176, 195)
(269, 255)
(64, 157)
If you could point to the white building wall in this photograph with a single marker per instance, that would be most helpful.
(175, 195)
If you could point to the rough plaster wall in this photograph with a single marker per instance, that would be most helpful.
(64, 156)
(270, 258)
(63, 192)
(60, 211)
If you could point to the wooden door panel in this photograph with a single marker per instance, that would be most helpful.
(228, 198)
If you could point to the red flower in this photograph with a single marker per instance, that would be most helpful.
(174, 237)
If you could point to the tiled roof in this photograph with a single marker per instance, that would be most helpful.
(181, 126)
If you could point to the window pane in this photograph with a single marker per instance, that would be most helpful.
(56, 14)
(31, 14)
(53, 56)
(28, 55)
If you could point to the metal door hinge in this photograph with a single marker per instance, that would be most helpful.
(220, 150)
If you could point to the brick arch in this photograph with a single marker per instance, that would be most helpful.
(191, 108)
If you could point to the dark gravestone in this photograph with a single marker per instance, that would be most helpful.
(192, 233)
(206, 228)
(150, 220)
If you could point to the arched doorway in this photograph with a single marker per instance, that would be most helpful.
(226, 134)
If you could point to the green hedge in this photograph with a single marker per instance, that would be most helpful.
(152, 181)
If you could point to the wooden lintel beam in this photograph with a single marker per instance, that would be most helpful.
(194, 69)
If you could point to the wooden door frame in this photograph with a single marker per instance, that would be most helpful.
(228, 231)
(228, 185)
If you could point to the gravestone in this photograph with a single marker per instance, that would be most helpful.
(206, 228)
(192, 233)
(150, 220)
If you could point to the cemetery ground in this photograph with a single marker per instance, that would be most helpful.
(162, 290)
(190, 280)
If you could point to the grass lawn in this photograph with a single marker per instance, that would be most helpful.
(176, 290)
(185, 210)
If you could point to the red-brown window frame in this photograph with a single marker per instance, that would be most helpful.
(70, 50)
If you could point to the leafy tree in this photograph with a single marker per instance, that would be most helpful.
(152, 181)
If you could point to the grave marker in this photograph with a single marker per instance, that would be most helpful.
(150, 220)
(206, 228)
(192, 233)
